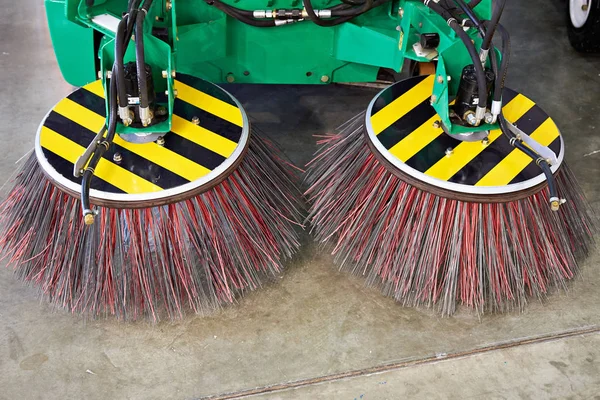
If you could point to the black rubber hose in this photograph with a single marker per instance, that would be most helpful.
(119, 55)
(542, 163)
(471, 15)
(101, 148)
(321, 22)
(241, 15)
(474, 3)
(354, 12)
(501, 76)
(496, 14)
(139, 53)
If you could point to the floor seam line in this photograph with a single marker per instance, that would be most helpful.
(401, 364)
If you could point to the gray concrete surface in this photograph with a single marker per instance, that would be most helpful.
(314, 322)
(566, 369)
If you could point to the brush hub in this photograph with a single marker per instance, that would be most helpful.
(208, 139)
(403, 133)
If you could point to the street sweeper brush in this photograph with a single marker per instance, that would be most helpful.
(433, 220)
(188, 221)
(445, 193)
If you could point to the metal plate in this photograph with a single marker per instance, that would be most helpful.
(400, 127)
(194, 157)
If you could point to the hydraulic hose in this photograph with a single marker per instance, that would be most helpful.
(496, 14)
(139, 54)
(101, 148)
(119, 55)
(368, 4)
(458, 29)
(501, 76)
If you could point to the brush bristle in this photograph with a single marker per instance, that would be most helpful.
(197, 254)
(423, 249)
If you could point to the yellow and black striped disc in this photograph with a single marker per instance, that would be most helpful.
(194, 157)
(401, 130)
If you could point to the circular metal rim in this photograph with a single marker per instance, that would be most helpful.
(449, 187)
(578, 15)
(151, 199)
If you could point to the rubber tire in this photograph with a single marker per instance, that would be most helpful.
(587, 38)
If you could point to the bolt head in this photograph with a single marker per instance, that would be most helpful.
(433, 99)
(437, 124)
(108, 74)
(449, 151)
(230, 78)
(165, 74)
(195, 120)
(173, 73)
(485, 141)
(99, 74)
(175, 92)
(325, 79)
(117, 157)
(401, 12)
(169, 6)
(160, 141)
(440, 79)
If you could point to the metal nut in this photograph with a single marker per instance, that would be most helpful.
(401, 12)
(160, 141)
(437, 124)
(195, 120)
(433, 98)
(449, 151)
(325, 79)
(117, 157)
(165, 73)
(169, 5)
(230, 78)
(485, 141)
(440, 79)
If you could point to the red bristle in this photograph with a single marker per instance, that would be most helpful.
(196, 254)
(424, 249)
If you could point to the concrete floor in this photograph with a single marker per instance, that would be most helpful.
(315, 333)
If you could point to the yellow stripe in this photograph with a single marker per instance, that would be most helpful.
(402, 105)
(150, 151)
(203, 137)
(114, 174)
(517, 161)
(208, 103)
(417, 140)
(465, 152)
(96, 88)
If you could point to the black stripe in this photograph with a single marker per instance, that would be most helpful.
(192, 151)
(89, 100)
(205, 87)
(208, 121)
(396, 90)
(406, 125)
(65, 168)
(532, 170)
(485, 161)
(132, 162)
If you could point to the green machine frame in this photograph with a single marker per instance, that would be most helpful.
(199, 39)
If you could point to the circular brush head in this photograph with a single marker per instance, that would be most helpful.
(437, 220)
(189, 221)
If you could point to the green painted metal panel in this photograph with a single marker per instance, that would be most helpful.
(73, 45)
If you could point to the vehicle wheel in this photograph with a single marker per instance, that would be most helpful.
(583, 21)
